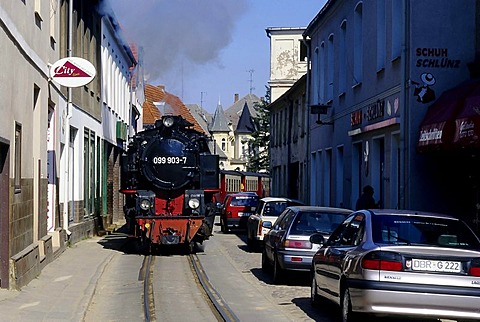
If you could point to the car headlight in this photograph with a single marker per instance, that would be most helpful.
(168, 121)
(145, 204)
(194, 203)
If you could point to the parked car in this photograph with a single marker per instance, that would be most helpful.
(287, 245)
(235, 210)
(268, 209)
(403, 263)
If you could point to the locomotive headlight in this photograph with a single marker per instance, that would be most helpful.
(194, 203)
(145, 204)
(168, 121)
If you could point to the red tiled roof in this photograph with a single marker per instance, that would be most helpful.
(158, 94)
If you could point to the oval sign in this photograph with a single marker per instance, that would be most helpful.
(72, 72)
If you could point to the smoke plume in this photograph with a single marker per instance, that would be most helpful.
(177, 35)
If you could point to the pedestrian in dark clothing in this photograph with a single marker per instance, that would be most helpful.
(366, 200)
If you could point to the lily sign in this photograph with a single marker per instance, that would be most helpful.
(72, 72)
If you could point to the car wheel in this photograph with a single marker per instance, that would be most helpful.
(346, 305)
(277, 270)
(265, 264)
(314, 297)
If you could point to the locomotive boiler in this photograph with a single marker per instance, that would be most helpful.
(169, 178)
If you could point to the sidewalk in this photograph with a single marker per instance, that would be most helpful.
(64, 288)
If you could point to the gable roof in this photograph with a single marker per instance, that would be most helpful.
(220, 122)
(203, 117)
(172, 104)
(245, 124)
(234, 112)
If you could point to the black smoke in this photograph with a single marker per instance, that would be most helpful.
(177, 35)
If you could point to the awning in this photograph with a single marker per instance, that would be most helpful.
(437, 130)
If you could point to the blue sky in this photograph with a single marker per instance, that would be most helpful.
(209, 46)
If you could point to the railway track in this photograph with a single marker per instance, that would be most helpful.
(165, 293)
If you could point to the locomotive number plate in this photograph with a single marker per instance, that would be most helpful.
(169, 160)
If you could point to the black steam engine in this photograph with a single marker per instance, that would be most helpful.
(169, 178)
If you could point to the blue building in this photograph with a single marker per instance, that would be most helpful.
(376, 69)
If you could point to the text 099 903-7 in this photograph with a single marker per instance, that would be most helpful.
(169, 160)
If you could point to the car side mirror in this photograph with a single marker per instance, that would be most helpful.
(317, 239)
(267, 224)
(219, 205)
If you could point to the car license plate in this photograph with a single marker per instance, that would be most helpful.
(436, 266)
(242, 214)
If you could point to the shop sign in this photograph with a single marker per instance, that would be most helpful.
(375, 111)
(356, 118)
(72, 72)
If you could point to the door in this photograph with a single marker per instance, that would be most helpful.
(344, 241)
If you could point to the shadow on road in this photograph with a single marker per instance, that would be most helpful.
(290, 278)
(121, 241)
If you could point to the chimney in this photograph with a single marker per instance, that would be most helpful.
(235, 99)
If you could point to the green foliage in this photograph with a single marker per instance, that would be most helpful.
(259, 144)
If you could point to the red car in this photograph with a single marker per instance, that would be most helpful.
(236, 208)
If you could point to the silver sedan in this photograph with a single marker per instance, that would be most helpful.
(399, 263)
(287, 247)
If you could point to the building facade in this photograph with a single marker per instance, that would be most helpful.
(289, 152)
(288, 59)
(29, 34)
(58, 146)
(376, 68)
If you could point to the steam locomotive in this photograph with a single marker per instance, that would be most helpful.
(169, 178)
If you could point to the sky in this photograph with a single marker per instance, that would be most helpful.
(206, 51)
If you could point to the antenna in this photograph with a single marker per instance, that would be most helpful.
(251, 71)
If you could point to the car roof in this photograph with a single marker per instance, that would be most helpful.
(395, 212)
(250, 194)
(272, 199)
(319, 208)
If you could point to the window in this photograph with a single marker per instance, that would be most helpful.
(381, 35)
(224, 144)
(358, 44)
(17, 175)
(342, 59)
(330, 68)
(350, 233)
(303, 51)
(396, 28)
(89, 171)
(323, 71)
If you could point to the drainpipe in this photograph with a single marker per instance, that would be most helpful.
(405, 136)
(306, 41)
(67, 125)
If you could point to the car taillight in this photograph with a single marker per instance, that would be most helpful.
(303, 244)
(260, 228)
(474, 268)
(386, 261)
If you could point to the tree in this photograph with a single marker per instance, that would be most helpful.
(259, 144)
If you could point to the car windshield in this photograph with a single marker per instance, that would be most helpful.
(244, 201)
(275, 208)
(307, 223)
(418, 230)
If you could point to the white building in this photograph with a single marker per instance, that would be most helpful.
(288, 59)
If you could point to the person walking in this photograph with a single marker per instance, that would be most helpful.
(366, 200)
